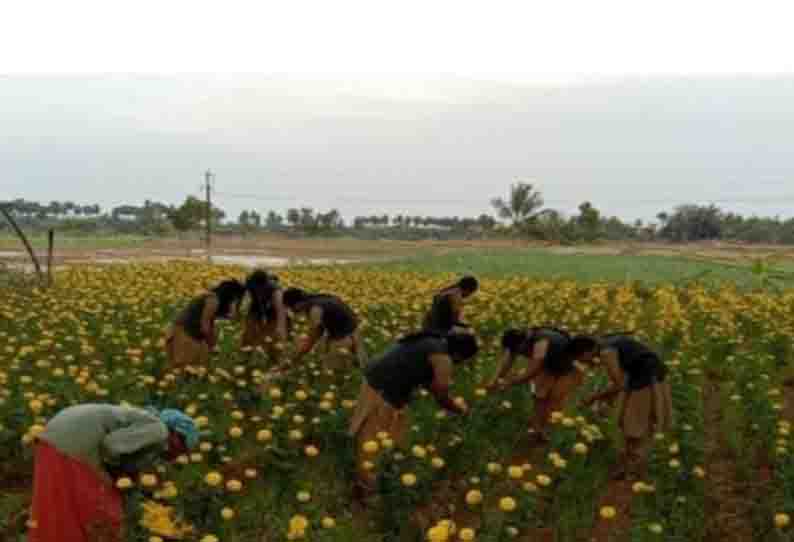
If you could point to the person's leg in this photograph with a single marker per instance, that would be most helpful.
(636, 422)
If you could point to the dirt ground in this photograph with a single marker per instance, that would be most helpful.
(275, 251)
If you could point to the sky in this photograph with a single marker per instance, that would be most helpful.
(407, 107)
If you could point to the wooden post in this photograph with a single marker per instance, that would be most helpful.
(50, 250)
(24, 240)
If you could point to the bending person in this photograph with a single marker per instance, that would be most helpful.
(266, 322)
(446, 312)
(193, 336)
(422, 360)
(552, 354)
(74, 495)
(638, 374)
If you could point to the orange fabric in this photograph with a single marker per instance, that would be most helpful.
(71, 502)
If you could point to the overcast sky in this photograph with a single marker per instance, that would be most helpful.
(419, 108)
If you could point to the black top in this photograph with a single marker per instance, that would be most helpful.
(641, 365)
(338, 320)
(190, 317)
(555, 361)
(441, 317)
(397, 373)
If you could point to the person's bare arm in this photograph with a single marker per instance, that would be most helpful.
(442, 379)
(504, 368)
(535, 364)
(616, 379)
(281, 315)
(456, 302)
(315, 334)
(208, 320)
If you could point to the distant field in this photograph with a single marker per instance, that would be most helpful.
(649, 263)
(543, 263)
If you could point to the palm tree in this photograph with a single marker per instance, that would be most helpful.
(522, 207)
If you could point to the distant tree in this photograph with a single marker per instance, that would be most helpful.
(522, 207)
(293, 217)
(192, 213)
(693, 223)
(588, 222)
(273, 220)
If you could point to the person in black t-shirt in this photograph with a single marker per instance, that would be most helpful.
(639, 376)
(331, 319)
(446, 311)
(552, 355)
(423, 360)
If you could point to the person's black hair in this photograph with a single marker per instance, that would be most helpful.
(229, 292)
(579, 345)
(513, 339)
(419, 335)
(468, 284)
(261, 285)
(294, 296)
(462, 346)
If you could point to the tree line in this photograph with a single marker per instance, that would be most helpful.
(521, 214)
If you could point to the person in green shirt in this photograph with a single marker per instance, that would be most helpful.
(74, 495)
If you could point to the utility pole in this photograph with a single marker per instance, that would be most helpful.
(208, 176)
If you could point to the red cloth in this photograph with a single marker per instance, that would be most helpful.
(71, 502)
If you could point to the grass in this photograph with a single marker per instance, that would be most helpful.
(536, 262)
(39, 242)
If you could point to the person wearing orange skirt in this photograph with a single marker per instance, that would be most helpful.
(330, 319)
(74, 495)
(423, 360)
(552, 368)
(266, 322)
(193, 337)
(639, 378)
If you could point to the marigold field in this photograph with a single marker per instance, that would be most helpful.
(277, 463)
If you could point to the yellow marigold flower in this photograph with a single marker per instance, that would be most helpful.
(782, 521)
(466, 535)
(328, 523)
(148, 480)
(473, 497)
(235, 432)
(312, 451)
(507, 504)
(408, 479)
(234, 486)
(124, 483)
(227, 514)
(264, 435)
(516, 473)
(608, 512)
(655, 528)
(213, 479)
(370, 447)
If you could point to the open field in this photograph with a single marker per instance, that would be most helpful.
(495, 258)
(723, 473)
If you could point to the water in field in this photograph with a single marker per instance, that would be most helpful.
(273, 261)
